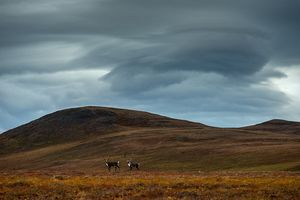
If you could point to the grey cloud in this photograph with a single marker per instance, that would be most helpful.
(25, 97)
(213, 55)
(223, 53)
(134, 80)
(208, 94)
(208, 23)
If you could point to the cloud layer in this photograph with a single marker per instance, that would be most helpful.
(213, 61)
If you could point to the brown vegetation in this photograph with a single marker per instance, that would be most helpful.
(80, 139)
(61, 156)
(142, 185)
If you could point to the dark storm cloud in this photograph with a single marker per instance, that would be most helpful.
(229, 37)
(148, 49)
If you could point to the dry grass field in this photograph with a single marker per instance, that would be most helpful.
(165, 149)
(61, 156)
(151, 185)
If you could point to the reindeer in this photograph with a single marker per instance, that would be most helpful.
(132, 164)
(115, 164)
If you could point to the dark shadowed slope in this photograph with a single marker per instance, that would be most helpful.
(79, 123)
(277, 125)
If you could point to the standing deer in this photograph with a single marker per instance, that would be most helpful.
(115, 164)
(132, 164)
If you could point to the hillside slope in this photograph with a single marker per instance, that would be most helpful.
(80, 139)
(80, 123)
(277, 125)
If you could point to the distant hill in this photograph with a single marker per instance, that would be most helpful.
(277, 125)
(79, 139)
(79, 123)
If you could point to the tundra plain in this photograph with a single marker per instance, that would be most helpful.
(61, 155)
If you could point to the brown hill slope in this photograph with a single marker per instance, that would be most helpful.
(277, 125)
(79, 139)
(79, 123)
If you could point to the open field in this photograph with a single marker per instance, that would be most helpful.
(61, 156)
(151, 185)
(80, 139)
(165, 149)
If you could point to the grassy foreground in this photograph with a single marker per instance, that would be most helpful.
(150, 185)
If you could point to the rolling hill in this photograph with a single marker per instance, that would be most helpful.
(80, 123)
(78, 139)
(277, 125)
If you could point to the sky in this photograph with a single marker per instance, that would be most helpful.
(223, 63)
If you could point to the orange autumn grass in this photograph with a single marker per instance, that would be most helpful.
(146, 185)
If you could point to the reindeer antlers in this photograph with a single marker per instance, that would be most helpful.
(107, 158)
